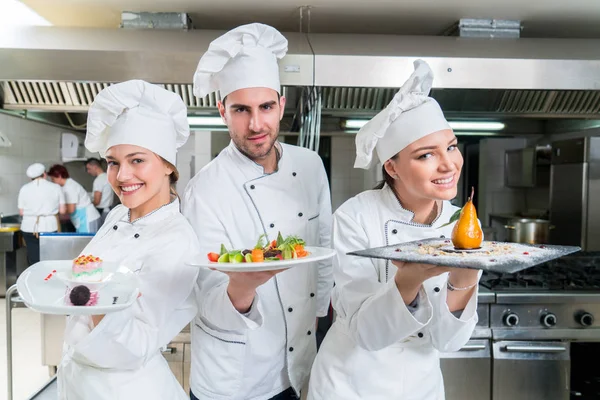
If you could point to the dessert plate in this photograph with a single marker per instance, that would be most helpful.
(500, 257)
(45, 287)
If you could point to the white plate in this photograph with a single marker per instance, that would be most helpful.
(50, 296)
(316, 254)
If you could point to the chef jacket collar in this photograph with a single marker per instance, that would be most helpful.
(400, 213)
(160, 214)
(251, 168)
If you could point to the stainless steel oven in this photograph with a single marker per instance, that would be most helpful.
(541, 341)
(468, 372)
(529, 369)
(544, 330)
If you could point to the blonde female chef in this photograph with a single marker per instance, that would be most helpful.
(137, 127)
(394, 318)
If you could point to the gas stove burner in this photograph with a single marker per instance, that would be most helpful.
(545, 277)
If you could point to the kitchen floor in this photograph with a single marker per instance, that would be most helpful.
(29, 375)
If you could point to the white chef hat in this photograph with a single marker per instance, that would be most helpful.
(410, 116)
(35, 170)
(138, 113)
(244, 57)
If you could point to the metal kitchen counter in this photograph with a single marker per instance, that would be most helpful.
(13, 257)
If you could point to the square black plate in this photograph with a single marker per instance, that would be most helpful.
(500, 257)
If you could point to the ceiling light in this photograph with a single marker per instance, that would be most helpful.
(456, 125)
(15, 13)
(470, 133)
(205, 121)
(476, 126)
(354, 123)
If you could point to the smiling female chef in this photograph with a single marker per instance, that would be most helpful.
(137, 127)
(393, 318)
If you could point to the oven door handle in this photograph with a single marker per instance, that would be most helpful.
(535, 349)
(473, 347)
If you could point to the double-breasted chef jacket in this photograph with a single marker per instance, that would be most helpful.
(232, 201)
(121, 357)
(378, 349)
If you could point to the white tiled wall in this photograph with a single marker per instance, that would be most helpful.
(31, 142)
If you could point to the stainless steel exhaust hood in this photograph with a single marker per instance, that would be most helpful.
(114, 55)
(458, 63)
(61, 69)
(542, 78)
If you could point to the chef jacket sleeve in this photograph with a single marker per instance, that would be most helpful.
(21, 199)
(449, 333)
(61, 196)
(214, 305)
(374, 311)
(325, 274)
(97, 185)
(71, 196)
(127, 339)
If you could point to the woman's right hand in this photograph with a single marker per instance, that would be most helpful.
(410, 276)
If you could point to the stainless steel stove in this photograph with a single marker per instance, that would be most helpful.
(540, 321)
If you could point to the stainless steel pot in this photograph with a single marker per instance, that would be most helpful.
(527, 230)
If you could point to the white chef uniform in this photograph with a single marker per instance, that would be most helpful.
(102, 185)
(232, 201)
(40, 201)
(85, 218)
(377, 348)
(121, 357)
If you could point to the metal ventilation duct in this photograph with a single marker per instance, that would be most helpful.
(62, 69)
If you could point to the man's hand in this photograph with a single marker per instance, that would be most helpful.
(242, 287)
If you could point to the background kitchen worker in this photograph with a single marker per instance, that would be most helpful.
(83, 214)
(40, 201)
(102, 192)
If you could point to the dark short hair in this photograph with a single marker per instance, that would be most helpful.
(225, 98)
(58, 171)
(94, 161)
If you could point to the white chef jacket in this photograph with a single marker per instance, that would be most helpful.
(40, 198)
(377, 349)
(101, 185)
(232, 201)
(121, 357)
(85, 212)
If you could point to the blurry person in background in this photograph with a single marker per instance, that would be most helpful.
(39, 202)
(102, 192)
(83, 214)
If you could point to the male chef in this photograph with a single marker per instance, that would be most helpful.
(254, 335)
